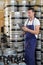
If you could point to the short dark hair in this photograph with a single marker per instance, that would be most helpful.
(31, 9)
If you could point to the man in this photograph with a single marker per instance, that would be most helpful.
(31, 29)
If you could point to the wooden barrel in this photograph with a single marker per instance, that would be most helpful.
(33, 2)
(23, 4)
(38, 46)
(38, 2)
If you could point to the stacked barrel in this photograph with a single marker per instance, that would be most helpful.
(10, 5)
(16, 33)
(42, 31)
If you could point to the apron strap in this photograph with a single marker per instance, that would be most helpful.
(32, 21)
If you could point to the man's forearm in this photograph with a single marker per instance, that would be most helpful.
(25, 29)
(33, 31)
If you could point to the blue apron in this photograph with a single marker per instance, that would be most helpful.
(30, 45)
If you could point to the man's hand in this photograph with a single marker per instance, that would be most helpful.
(25, 29)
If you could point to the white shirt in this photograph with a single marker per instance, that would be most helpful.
(35, 22)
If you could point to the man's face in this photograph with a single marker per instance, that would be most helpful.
(30, 13)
